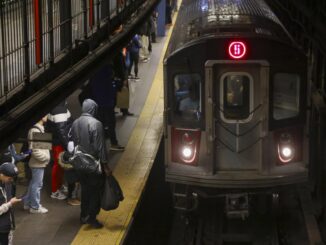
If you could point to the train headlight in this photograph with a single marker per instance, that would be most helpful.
(285, 148)
(185, 144)
(186, 152)
(286, 151)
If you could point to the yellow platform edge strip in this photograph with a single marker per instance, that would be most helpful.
(134, 166)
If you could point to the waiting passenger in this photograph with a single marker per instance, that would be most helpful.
(133, 49)
(120, 68)
(40, 158)
(8, 172)
(59, 124)
(144, 33)
(10, 155)
(88, 133)
(104, 92)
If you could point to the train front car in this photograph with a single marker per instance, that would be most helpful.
(235, 102)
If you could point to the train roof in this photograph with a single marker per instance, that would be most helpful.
(201, 18)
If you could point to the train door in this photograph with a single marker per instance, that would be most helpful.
(237, 112)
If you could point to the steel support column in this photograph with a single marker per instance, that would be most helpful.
(161, 18)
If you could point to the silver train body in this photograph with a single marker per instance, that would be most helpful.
(235, 100)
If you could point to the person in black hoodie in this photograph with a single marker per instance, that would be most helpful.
(88, 133)
(8, 172)
(59, 123)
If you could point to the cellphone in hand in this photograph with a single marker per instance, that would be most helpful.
(28, 152)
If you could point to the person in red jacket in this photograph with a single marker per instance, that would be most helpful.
(59, 124)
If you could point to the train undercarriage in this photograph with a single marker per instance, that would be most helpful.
(285, 217)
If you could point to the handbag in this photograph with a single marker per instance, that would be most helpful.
(63, 160)
(123, 98)
(84, 163)
(112, 194)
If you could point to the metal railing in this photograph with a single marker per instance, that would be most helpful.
(35, 34)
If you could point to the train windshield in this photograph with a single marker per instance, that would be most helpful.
(187, 91)
(235, 96)
(285, 95)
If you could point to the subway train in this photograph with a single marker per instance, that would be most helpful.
(235, 111)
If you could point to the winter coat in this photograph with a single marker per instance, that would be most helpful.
(10, 155)
(134, 45)
(119, 66)
(103, 87)
(59, 124)
(88, 132)
(6, 215)
(39, 157)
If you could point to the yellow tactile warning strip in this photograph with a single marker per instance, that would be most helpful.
(133, 168)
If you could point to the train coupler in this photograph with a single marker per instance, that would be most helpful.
(237, 205)
(184, 199)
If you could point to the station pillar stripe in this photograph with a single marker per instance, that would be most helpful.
(91, 13)
(38, 31)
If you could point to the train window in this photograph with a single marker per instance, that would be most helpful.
(187, 92)
(285, 95)
(235, 96)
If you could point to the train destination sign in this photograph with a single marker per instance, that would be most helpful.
(237, 50)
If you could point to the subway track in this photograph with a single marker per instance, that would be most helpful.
(273, 219)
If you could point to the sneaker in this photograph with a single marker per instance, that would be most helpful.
(117, 148)
(95, 224)
(64, 189)
(58, 195)
(73, 202)
(40, 210)
(137, 79)
(145, 60)
(127, 114)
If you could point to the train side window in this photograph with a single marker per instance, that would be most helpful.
(187, 92)
(235, 96)
(286, 90)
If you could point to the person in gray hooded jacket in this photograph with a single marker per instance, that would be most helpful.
(88, 133)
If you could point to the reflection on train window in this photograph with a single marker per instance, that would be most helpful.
(236, 100)
(285, 95)
(187, 96)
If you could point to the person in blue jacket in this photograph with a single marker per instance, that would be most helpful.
(133, 48)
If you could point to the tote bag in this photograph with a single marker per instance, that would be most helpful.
(112, 194)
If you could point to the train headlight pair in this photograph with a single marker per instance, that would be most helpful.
(285, 148)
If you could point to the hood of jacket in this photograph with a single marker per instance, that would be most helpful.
(89, 106)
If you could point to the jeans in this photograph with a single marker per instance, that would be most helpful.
(33, 196)
(134, 59)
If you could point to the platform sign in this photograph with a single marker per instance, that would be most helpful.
(237, 50)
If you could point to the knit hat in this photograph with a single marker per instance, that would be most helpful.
(8, 169)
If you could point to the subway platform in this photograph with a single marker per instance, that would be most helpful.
(140, 134)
